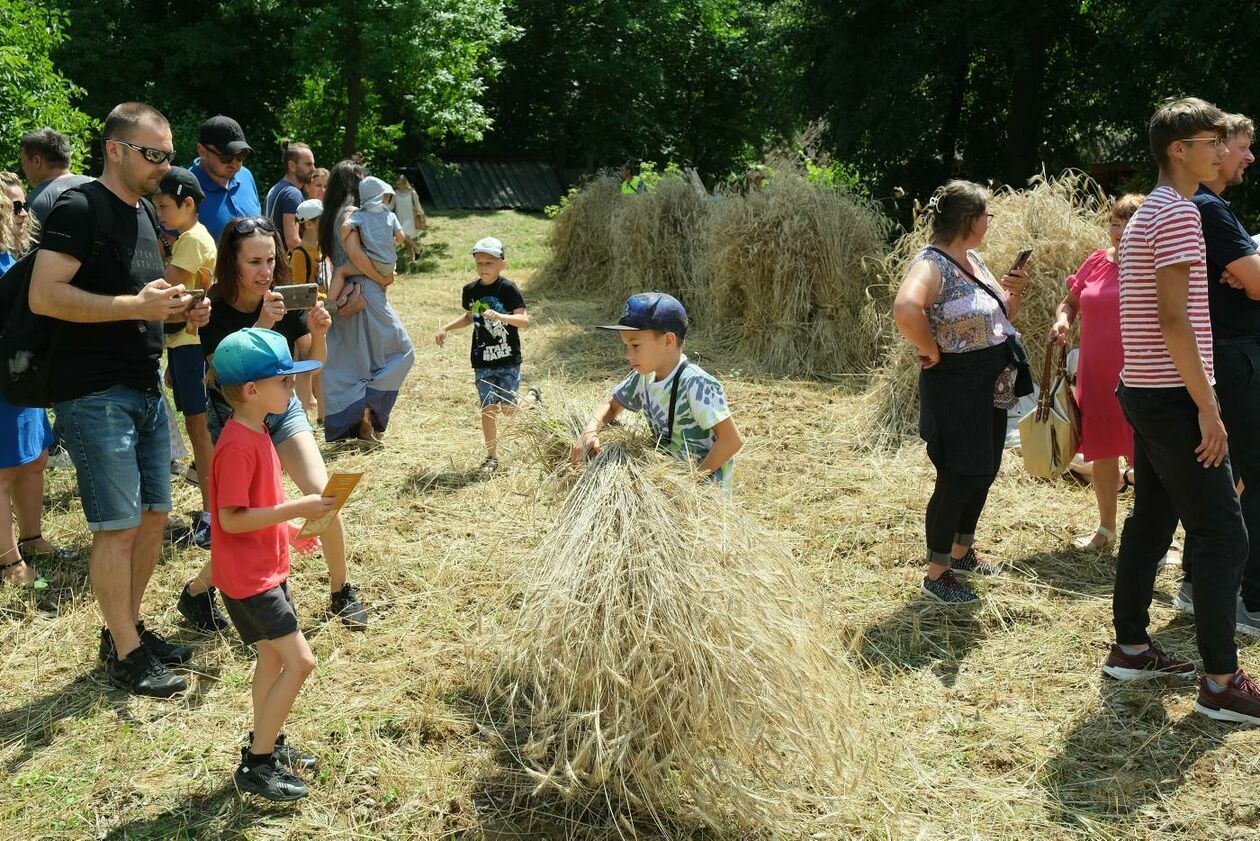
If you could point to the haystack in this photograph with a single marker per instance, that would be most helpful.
(790, 269)
(666, 667)
(1063, 219)
(581, 241)
(658, 240)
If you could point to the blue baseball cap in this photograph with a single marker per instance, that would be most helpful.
(652, 311)
(254, 354)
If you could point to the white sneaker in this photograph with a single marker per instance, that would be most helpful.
(1184, 600)
(1246, 622)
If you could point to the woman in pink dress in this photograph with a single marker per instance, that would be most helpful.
(1094, 294)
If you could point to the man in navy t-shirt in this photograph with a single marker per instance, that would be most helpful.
(220, 167)
(1233, 270)
(284, 198)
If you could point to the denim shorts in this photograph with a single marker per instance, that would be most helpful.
(282, 426)
(498, 385)
(187, 365)
(121, 449)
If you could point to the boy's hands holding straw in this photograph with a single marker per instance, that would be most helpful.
(587, 445)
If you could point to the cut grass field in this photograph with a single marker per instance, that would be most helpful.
(994, 722)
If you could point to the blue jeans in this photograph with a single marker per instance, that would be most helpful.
(121, 449)
(498, 385)
(282, 427)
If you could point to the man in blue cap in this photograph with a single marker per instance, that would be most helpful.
(683, 404)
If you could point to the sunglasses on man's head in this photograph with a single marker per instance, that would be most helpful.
(153, 156)
(239, 157)
(248, 224)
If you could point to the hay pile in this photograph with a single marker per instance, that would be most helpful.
(1063, 219)
(581, 240)
(667, 667)
(791, 265)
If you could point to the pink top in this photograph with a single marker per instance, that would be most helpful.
(1165, 231)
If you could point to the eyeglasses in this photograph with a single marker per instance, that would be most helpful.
(1217, 142)
(20, 207)
(239, 157)
(153, 156)
(248, 224)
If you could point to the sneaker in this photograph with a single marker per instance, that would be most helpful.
(1151, 663)
(201, 611)
(190, 475)
(268, 780)
(167, 654)
(346, 604)
(177, 469)
(490, 465)
(1239, 701)
(535, 394)
(1246, 622)
(289, 756)
(141, 674)
(948, 589)
(1184, 600)
(201, 531)
(973, 564)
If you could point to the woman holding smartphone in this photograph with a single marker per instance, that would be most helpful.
(246, 271)
(957, 316)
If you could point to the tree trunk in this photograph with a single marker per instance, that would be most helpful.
(1031, 55)
(354, 92)
(951, 126)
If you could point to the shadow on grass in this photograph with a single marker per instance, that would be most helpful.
(221, 813)
(1071, 571)
(438, 480)
(1126, 755)
(922, 634)
(429, 259)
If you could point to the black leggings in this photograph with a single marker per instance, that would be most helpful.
(957, 501)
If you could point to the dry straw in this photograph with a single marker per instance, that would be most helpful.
(1063, 219)
(666, 666)
(581, 240)
(791, 265)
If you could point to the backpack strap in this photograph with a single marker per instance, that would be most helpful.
(101, 220)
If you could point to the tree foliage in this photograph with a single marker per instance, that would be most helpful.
(33, 93)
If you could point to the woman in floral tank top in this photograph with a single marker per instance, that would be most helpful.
(957, 316)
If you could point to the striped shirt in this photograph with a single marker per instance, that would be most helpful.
(1166, 231)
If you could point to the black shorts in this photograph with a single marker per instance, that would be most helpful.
(266, 616)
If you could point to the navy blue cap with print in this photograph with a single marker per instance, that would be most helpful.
(652, 311)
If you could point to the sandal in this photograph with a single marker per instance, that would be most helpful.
(26, 578)
(1126, 482)
(55, 554)
(1089, 541)
(490, 465)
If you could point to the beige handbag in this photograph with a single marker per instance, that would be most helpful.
(1049, 434)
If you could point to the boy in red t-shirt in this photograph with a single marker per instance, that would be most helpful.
(249, 550)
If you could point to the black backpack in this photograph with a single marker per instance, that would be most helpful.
(27, 340)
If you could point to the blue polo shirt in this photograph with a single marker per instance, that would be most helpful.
(239, 198)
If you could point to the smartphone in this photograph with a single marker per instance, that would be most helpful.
(196, 295)
(299, 296)
(1022, 259)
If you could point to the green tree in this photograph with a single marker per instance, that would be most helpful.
(33, 93)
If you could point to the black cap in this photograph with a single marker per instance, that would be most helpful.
(652, 311)
(224, 134)
(181, 184)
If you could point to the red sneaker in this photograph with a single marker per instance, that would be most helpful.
(1152, 662)
(1239, 701)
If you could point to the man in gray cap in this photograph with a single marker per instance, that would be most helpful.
(220, 168)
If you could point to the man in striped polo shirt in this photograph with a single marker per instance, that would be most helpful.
(1180, 447)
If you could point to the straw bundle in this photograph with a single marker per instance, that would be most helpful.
(659, 244)
(581, 241)
(790, 267)
(1063, 219)
(667, 666)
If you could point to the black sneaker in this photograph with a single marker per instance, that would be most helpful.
(346, 604)
(141, 674)
(268, 780)
(973, 564)
(289, 756)
(201, 611)
(167, 654)
(948, 589)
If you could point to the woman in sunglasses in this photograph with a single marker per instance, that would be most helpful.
(20, 218)
(370, 352)
(248, 267)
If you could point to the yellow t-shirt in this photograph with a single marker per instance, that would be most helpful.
(306, 265)
(193, 251)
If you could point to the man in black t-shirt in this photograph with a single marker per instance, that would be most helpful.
(1233, 269)
(99, 274)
